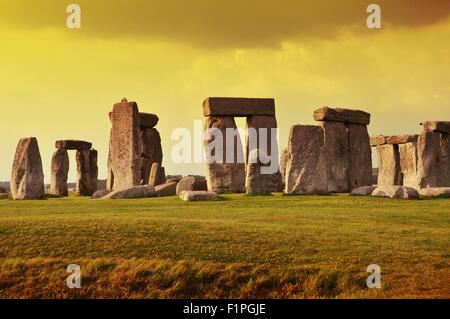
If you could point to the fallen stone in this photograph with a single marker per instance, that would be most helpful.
(191, 183)
(87, 173)
(223, 106)
(60, 171)
(148, 120)
(101, 193)
(223, 177)
(401, 139)
(166, 189)
(378, 140)
(389, 173)
(190, 196)
(436, 126)
(142, 191)
(443, 192)
(342, 115)
(73, 145)
(400, 192)
(363, 191)
(359, 156)
(27, 178)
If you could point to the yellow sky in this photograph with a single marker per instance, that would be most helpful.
(58, 83)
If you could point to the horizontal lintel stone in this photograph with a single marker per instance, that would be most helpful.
(342, 115)
(225, 106)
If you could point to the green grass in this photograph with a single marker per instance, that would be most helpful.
(238, 247)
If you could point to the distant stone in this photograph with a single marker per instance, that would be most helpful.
(142, 191)
(363, 191)
(73, 145)
(101, 193)
(191, 183)
(283, 161)
(27, 178)
(87, 172)
(435, 192)
(342, 115)
(190, 196)
(399, 192)
(436, 126)
(4, 196)
(401, 139)
(223, 106)
(148, 120)
(59, 171)
(166, 189)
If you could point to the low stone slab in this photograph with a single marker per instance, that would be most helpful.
(363, 191)
(225, 106)
(436, 126)
(148, 120)
(191, 183)
(399, 192)
(435, 192)
(143, 191)
(342, 115)
(73, 145)
(167, 189)
(101, 193)
(191, 196)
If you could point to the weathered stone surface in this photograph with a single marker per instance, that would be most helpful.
(191, 183)
(27, 178)
(264, 147)
(73, 145)
(430, 169)
(2, 190)
(87, 172)
(148, 120)
(408, 164)
(436, 126)
(4, 196)
(389, 165)
(151, 151)
(157, 175)
(166, 189)
(401, 139)
(59, 173)
(124, 164)
(378, 140)
(283, 161)
(359, 156)
(342, 115)
(224, 106)
(335, 156)
(363, 191)
(401, 192)
(443, 192)
(101, 193)
(305, 172)
(445, 157)
(190, 196)
(142, 191)
(223, 177)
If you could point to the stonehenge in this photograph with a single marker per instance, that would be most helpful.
(134, 146)
(27, 177)
(227, 170)
(332, 157)
(417, 161)
(87, 169)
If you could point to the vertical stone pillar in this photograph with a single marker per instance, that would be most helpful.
(87, 172)
(223, 176)
(429, 158)
(359, 156)
(408, 164)
(389, 165)
(151, 151)
(157, 175)
(60, 171)
(257, 181)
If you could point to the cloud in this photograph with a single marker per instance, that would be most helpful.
(221, 24)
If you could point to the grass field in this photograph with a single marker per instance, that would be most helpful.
(238, 247)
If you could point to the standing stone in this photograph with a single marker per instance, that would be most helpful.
(305, 172)
(408, 164)
(124, 154)
(283, 161)
(151, 151)
(429, 160)
(360, 156)
(223, 177)
(60, 171)
(257, 180)
(87, 172)
(335, 156)
(27, 178)
(445, 156)
(389, 165)
(157, 175)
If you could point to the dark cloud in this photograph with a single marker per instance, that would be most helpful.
(219, 23)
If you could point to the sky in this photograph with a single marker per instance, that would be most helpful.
(168, 56)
